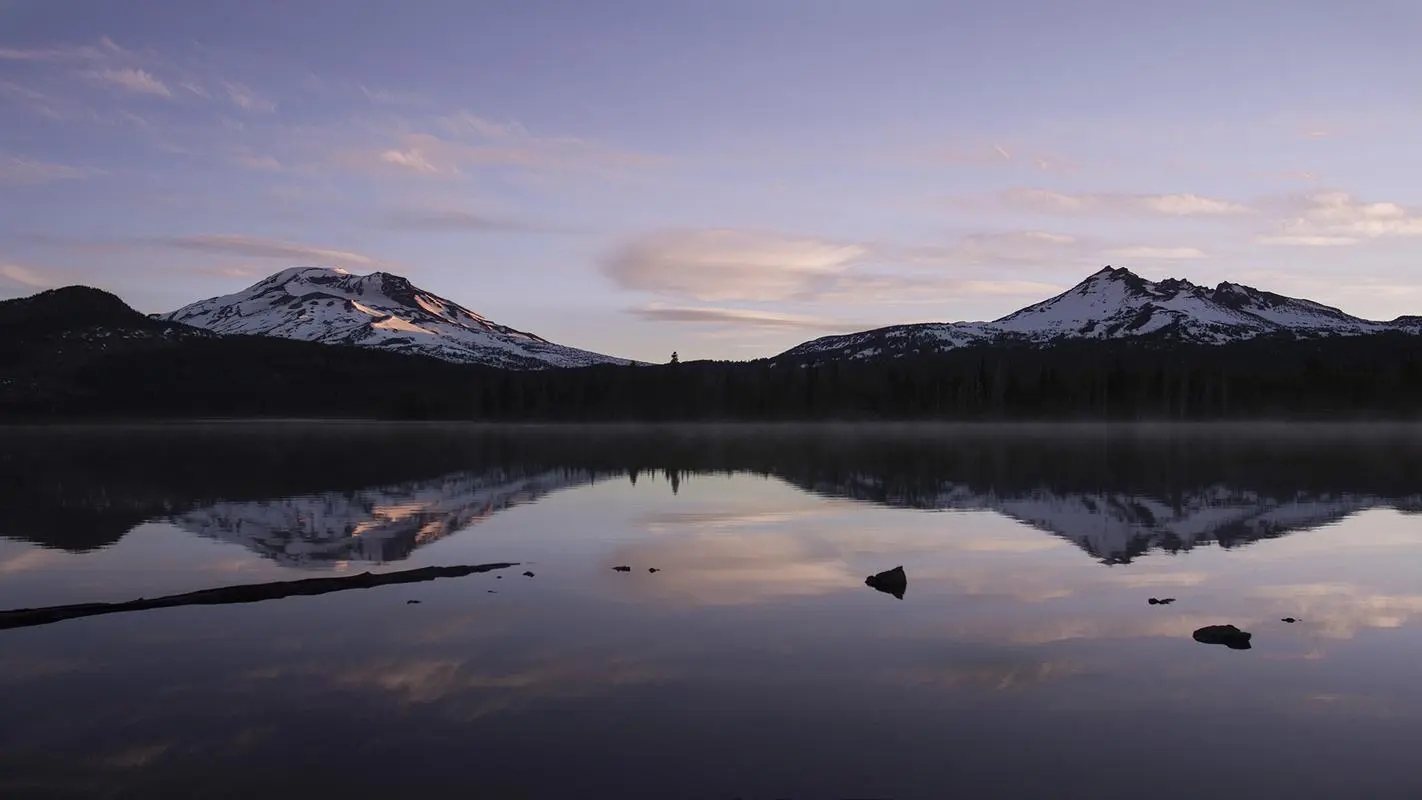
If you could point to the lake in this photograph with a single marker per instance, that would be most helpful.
(1024, 659)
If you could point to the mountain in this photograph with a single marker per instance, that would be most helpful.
(379, 311)
(81, 313)
(1114, 304)
(1118, 527)
(61, 329)
(376, 524)
(80, 352)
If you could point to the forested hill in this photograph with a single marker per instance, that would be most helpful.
(177, 376)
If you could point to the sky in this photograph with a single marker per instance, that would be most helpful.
(724, 178)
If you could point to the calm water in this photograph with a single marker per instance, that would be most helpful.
(1023, 661)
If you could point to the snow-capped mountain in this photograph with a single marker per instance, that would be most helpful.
(377, 524)
(1115, 303)
(1118, 527)
(380, 310)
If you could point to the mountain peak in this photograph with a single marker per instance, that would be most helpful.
(379, 310)
(1115, 303)
(69, 307)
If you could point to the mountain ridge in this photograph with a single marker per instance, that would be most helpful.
(329, 305)
(1114, 304)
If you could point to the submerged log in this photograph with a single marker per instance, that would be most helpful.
(250, 593)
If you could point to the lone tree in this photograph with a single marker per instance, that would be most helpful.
(675, 359)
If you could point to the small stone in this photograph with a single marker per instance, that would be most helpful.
(1289, 620)
(623, 568)
(528, 573)
(893, 581)
(1227, 635)
(412, 602)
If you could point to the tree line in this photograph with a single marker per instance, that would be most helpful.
(1364, 376)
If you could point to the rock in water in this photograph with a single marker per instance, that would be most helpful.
(1289, 620)
(412, 602)
(623, 568)
(1161, 601)
(653, 569)
(893, 582)
(528, 574)
(1227, 635)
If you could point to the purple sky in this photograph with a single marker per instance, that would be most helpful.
(723, 178)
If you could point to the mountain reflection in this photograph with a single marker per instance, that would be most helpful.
(310, 495)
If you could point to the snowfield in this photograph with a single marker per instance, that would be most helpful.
(1116, 303)
(380, 310)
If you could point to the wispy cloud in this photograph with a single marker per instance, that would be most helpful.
(747, 318)
(1330, 219)
(414, 159)
(259, 161)
(720, 264)
(467, 141)
(257, 247)
(27, 171)
(25, 276)
(731, 265)
(987, 154)
(1288, 175)
(106, 48)
(455, 220)
(1173, 205)
(228, 272)
(131, 79)
(1147, 253)
(1306, 240)
(394, 98)
(248, 100)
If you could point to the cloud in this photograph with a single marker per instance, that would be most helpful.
(257, 161)
(997, 154)
(104, 49)
(25, 276)
(471, 141)
(719, 264)
(1027, 248)
(227, 272)
(1144, 253)
(1302, 240)
(195, 88)
(25, 171)
(930, 289)
(454, 220)
(1340, 610)
(1174, 205)
(131, 79)
(259, 248)
(762, 320)
(465, 122)
(1328, 219)
(1293, 175)
(730, 265)
(248, 100)
(414, 160)
(390, 97)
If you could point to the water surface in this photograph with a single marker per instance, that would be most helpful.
(1023, 661)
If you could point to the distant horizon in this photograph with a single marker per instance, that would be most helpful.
(726, 180)
(357, 274)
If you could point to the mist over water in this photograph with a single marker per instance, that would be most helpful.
(1023, 659)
